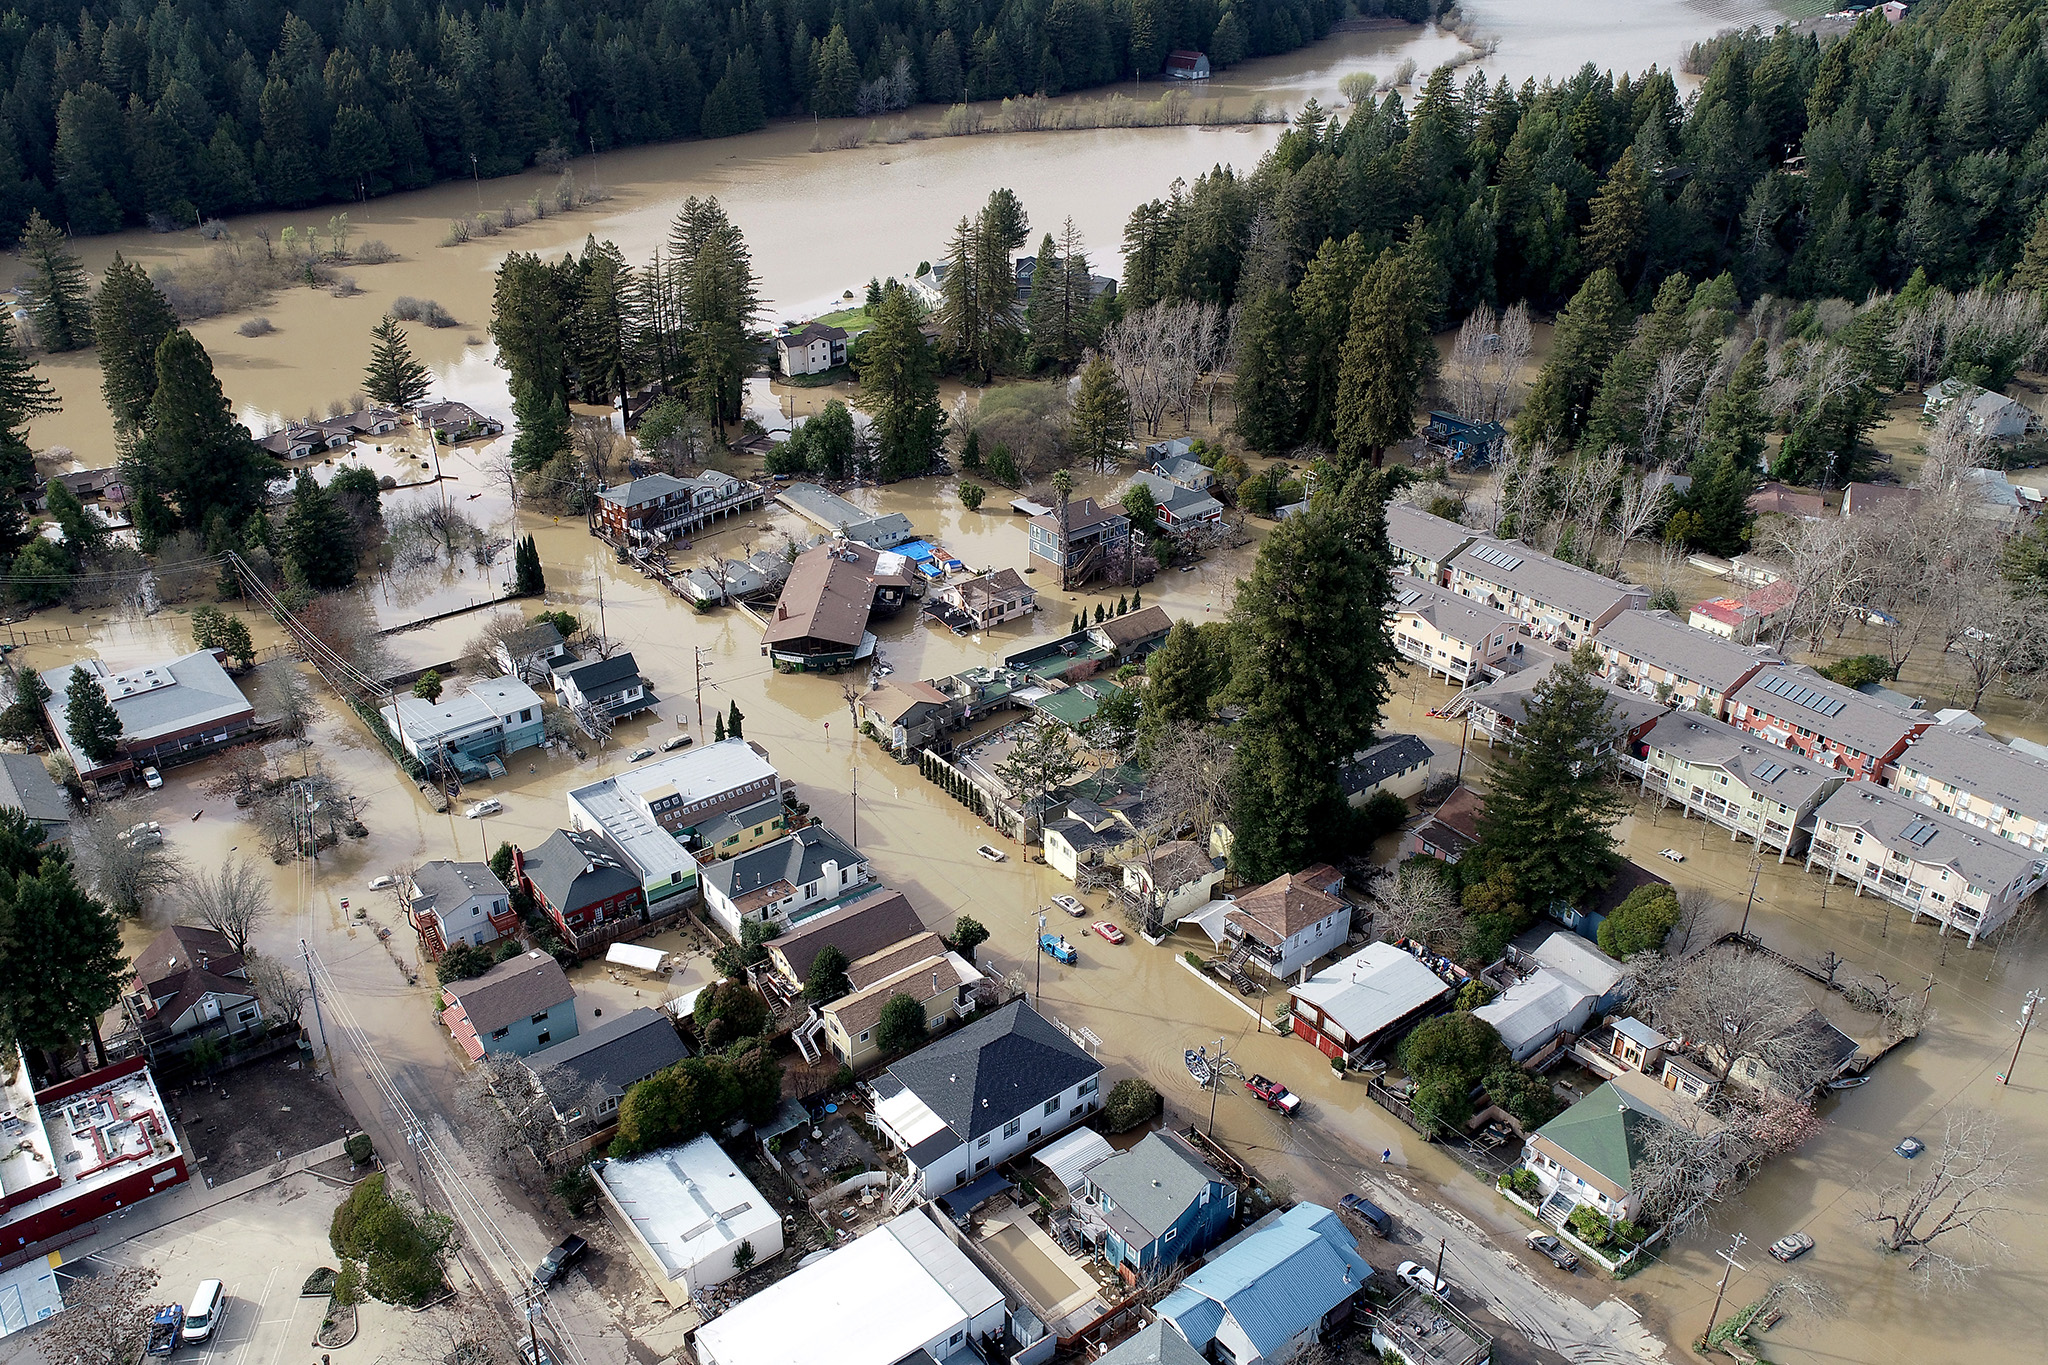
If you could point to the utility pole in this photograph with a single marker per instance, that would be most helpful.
(698, 654)
(1440, 1260)
(2026, 1019)
(1729, 1257)
(601, 630)
(1038, 972)
(313, 990)
(1756, 870)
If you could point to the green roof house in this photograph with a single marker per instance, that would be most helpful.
(1589, 1154)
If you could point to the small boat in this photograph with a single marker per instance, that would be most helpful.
(1199, 1068)
(1848, 1082)
(994, 855)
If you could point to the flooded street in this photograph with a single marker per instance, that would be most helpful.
(823, 222)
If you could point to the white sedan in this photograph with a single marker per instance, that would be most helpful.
(1423, 1278)
(1070, 905)
(482, 808)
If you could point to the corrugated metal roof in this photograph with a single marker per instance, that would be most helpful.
(1276, 1282)
(1073, 1156)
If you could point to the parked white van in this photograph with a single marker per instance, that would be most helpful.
(203, 1314)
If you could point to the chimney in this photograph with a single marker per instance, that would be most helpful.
(518, 862)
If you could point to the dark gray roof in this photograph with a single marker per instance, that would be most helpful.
(1862, 723)
(1156, 1344)
(596, 677)
(1079, 836)
(798, 857)
(25, 783)
(1511, 565)
(864, 925)
(614, 1055)
(1392, 755)
(1152, 1184)
(1984, 768)
(982, 1076)
(542, 637)
(1660, 638)
(723, 826)
(575, 868)
(1423, 535)
(517, 988)
(1782, 775)
(644, 489)
(443, 884)
(1509, 696)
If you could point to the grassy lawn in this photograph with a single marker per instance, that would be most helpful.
(852, 319)
(838, 374)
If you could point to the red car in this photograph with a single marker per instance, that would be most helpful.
(1108, 930)
(1276, 1095)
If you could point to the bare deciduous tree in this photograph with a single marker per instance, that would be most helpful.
(105, 1319)
(1640, 504)
(1704, 1158)
(1736, 1003)
(1946, 1214)
(1413, 903)
(279, 986)
(128, 874)
(505, 1117)
(231, 899)
(283, 692)
(1482, 381)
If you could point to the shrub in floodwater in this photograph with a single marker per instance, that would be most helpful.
(375, 252)
(256, 327)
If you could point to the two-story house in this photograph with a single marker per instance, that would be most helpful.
(1977, 780)
(1556, 600)
(737, 831)
(1732, 778)
(1426, 543)
(191, 985)
(864, 925)
(1273, 1293)
(611, 687)
(1398, 765)
(1889, 844)
(1655, 653)
(580, 881)
(1451, 634)
(1171, 880)
(656, 506)
(970, 1101)
(488, 719)
(685, 791)
(906, 713)
(533, 653)
(450, 902)
(516, 1008)
(1351, 1007)
(921, 967)
(1133, 634)
(990, 599)
(1592, 1152)
(1292, 920)
(1835, 726)
(1178, 466)
(1179, 509)
(778, 881)
(1160, 1203)
(810, 349)
(1079, 546)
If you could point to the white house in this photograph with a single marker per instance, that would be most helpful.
(1554, 988)
(976, 1098)
(811, 349)
(779, 880)
(1292, 920)
(686, 1212)
(1173, 879)
(453, 903)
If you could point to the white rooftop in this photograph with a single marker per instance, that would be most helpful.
(1371, 989)
(1073, 1156)
(25, 1157)
(1532, 1007)
(690, 1203)
(909, 1117)
(477, 706)
(696, 774)
(1569, 954)
(652, 850)
(93, 1138)
(886, 1295)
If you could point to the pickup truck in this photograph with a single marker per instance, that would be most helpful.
(166, 1326)
(1056, 947)
(1276, 1095)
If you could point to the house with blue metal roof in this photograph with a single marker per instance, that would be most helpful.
(1272, 1291)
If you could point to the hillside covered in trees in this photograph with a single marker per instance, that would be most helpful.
(118, 114)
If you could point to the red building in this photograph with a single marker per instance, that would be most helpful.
(80, 1150)
(580, 880)
(1839, 727)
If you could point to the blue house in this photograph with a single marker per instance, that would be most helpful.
(1161, 1202)
(517, 1007)
(487, 720)
(1273, 1290)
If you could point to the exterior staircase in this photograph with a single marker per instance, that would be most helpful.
(1555, 1210)
(1231, 968)
(904, 1195)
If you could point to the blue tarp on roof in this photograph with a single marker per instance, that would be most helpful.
(913, 549)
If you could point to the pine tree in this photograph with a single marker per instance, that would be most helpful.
(1588, 333)
(319, 538)
(1045, 316)
(835, 76)
(970, 450)
(62, 310)
(530, 313)
(1618, 218)
(1550, 815)
(960, 320)
(717, 727)
(734, 720)
(193, 454)
(900, 388)
(130, 319)
(61, 961)
(717, 296)
(2032, 272)
(394, 378)
(23, 397)
(1099, 424)
(90, 719)
(1265, 386)
(1388, 357)
(83, 536)
(1737, 419)
(529, 580)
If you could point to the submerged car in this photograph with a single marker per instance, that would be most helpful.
(1791, 1246)
(1910, 1147)
(1108, 930)
(482, 808)
(679, 742)
(1070, 905)
(644, 751)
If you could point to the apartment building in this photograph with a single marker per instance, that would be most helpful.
(1977, 780)
(1728, 776)
(1451, 634)
(1556, 600)
(1655, 653)
(1799, 710)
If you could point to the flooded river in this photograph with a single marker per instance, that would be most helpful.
(823, 222)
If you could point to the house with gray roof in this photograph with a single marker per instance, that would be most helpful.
(839, 517)
(1451, 634)
(1181, 468)
(1556, 600)
(1890, 845)
(1158, 1203)
(864, 925)
(171, 711)
(26, 785)
(1425, 542)
(532, 653)
(1180, 509)
(586, 1076)
(1499, 706)
(450, 902)
(1797, 709)
(1977, 780)
(611, 687)
(780, 881)
(1729, 776)
(973, 1099)
(1655, 653)
(517, 1007)
(1398, 765)
(1155, 1344)
(581, 881)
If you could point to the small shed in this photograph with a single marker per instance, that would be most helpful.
(649, 960)
(1076, 1154)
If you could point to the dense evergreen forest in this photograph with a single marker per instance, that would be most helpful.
(118, 114)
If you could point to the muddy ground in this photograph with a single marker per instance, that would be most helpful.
(251, 1117)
